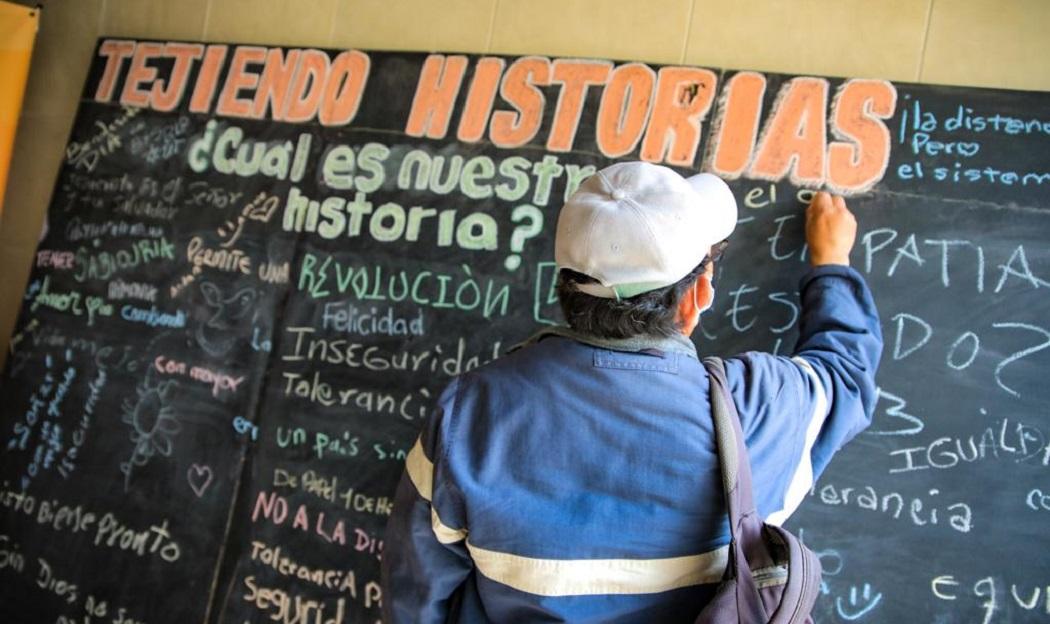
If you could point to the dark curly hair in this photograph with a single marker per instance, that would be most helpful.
(650, 313)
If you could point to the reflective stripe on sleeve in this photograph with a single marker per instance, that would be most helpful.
(445, 534)
(421, 473)
(802, 480)
(420, 470)
(582, 577)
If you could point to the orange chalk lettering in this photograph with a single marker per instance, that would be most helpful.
(575, 76)
(207, 79)
(239, 78)
(274, 83)
(736, 127)
(343, 88)
(166, 98)
(683, 97)
(794, 137)
(140, 73)
(624, 109)
(519, 89)
(860, 156)
(115, 51)
(480, 96)
(307, 86)
(436, 92)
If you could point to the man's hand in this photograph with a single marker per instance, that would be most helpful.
(830, 230)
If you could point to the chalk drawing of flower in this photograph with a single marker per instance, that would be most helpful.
(153, 425)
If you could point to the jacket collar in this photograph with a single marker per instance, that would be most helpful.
(667, 344)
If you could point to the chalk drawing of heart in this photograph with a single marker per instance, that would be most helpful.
(199, 478)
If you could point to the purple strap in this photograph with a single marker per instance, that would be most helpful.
(746, 548)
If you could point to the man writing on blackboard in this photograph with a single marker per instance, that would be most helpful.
(576, 479)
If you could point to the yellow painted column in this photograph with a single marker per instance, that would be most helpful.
(18, 26)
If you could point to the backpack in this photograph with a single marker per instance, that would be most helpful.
(770, 576)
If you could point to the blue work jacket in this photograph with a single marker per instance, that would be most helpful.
(576, 479)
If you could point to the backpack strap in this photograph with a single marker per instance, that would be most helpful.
(746, 546)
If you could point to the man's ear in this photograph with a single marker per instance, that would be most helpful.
(695, 300)
(705, 292)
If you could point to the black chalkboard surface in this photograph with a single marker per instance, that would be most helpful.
(261, 265)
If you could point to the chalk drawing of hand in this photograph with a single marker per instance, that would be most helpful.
(153, 425)
(858, 606)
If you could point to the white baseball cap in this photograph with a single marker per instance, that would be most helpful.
(636, 227)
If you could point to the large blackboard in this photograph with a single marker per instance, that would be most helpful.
(261, 265)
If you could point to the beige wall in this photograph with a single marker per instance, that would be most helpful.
(998, 43)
